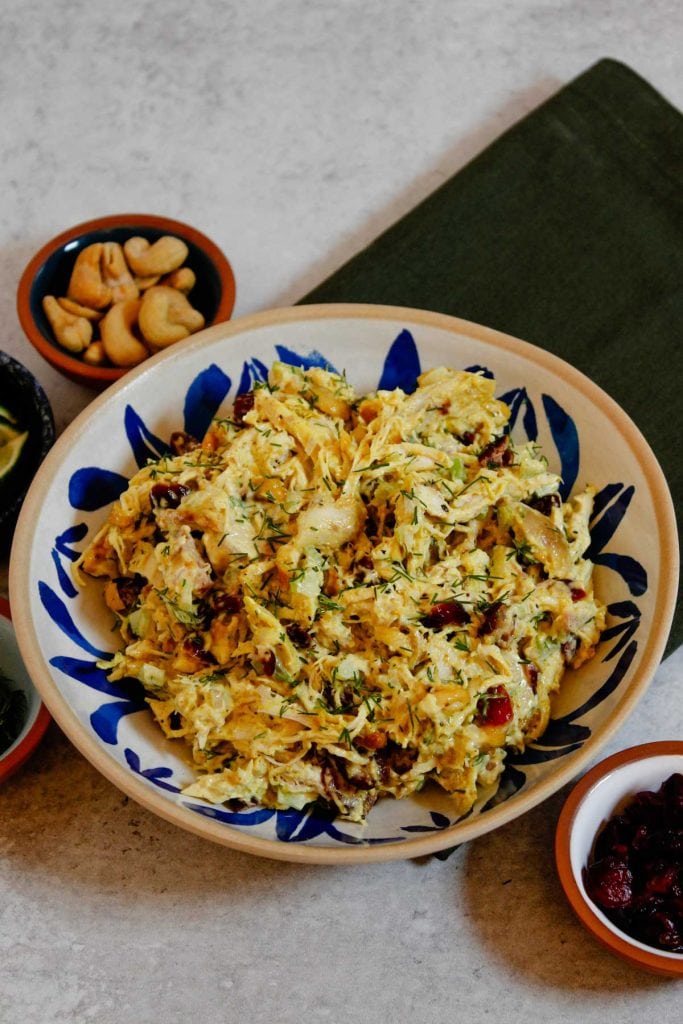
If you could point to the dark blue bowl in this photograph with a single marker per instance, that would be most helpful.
(23, 396)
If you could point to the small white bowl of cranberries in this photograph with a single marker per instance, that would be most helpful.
(619, 854)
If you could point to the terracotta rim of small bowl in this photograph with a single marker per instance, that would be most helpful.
(11, 762)
(659, 964)
(76, 368)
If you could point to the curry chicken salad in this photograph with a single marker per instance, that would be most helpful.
(335, 598)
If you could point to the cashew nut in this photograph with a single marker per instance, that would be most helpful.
(86, 285)
(183, 279)
(94, 354)
(167, 316)
(164, 256)
(115, 273)
(72, 332)
(75, 307)
(120, 344)
(143, 283)
(135, 294)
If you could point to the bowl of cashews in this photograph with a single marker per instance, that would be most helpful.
(103, 296)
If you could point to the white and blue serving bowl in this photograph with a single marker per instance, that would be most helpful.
(63, 631)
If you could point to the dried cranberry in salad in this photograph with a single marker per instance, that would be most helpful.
(636, 874)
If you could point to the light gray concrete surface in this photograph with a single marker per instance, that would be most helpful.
(292, 133)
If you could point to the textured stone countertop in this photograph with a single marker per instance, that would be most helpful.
(292, 133)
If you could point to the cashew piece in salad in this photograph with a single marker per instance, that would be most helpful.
(120, 344)
(162, 257)
(72, 332)
(116, 274)
(86, 285)
(166, 316)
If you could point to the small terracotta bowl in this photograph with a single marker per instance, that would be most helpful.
(37, 716)
(49, 271)
(601, 793)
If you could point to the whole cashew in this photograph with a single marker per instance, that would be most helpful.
(164, 256)
(72, 332)
(94, 354)
(120, 344)
(184, 279)
(78, 310)
(115, 273)
(166, 316)
(86, 285)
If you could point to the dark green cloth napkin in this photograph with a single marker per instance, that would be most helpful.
(567, 232)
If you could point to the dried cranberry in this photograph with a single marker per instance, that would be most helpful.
(645, 808)
(394, 758)
(371, 524)
(236, 805)
(496, 453)
(446, 613)
(577, 593)
(182, 442)
(641, 836)
(298, 635)
(661, 878)
(128, 589)
(494, 707)
(615, 838)
(268, 664)
(244, 403)
(666, 842)
(659, 928)
(672, 794)
(219, 601)
(494, 618)
(545, 503)
(168, 495)
(193, 647)
(531, 673)
(609, 883)
(467, 437)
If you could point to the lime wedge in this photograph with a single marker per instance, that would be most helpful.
(6, 415)
(7, 433)
(10, 452)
